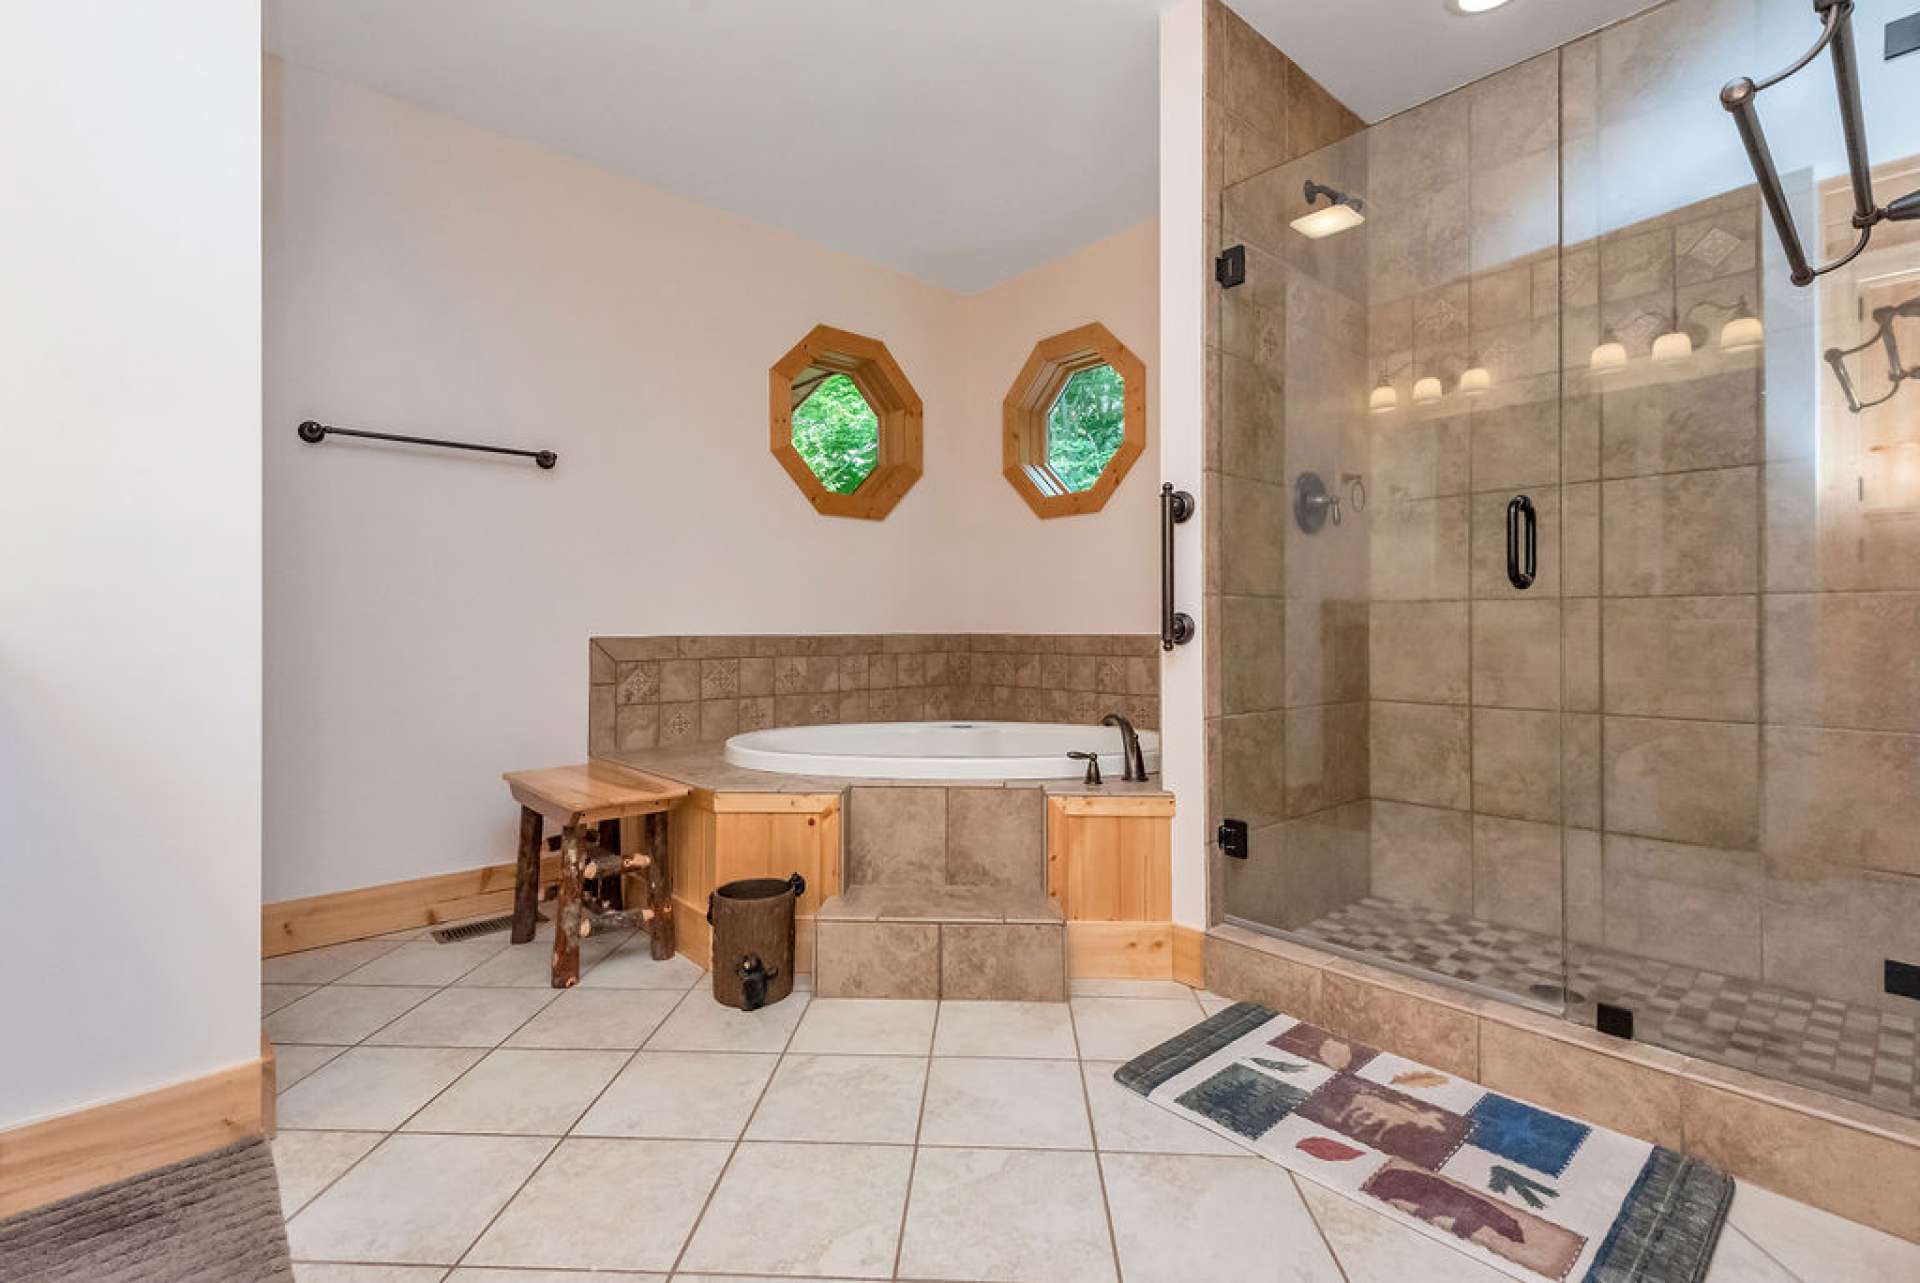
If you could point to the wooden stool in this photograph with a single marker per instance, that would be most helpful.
(580, 798)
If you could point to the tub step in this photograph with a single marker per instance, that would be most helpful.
(902, 940)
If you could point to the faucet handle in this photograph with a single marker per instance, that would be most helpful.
(1093, 765)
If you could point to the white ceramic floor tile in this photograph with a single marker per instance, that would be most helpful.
(511, 1274)
(632, 967)
(307, 1162)
(1736, 1259)
(1211, 1002)
(1041, 1030)
(686, 1094)
(1001, 1214)
(644, 1197)
(1178, 1217)
(1170, 989)
(320, 1272)
(339, 1014)
(1037, 1104)
(1126, 1122)
(804, 1209)
(323, 965)
(530, 965)
(464, 1018)
(295, 1061)
(372, 1088)
(1819, 1245)
(701, 1024)
(416, 1200)
(521, 1092)
(1122, 1028)
(867, 1026)
(1375, 1249)
(854, 1099)
(590, 1019)
(274, 997)
(508, 1274)
(423, 962)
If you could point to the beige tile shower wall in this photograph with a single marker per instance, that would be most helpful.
(1466, 714)
(1286, 670)
(657, 692)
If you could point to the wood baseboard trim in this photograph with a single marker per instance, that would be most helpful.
(1120, 950)
(288, 926)
(69, 1154)
(1190, 956)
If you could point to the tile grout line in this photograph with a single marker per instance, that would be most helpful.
(1093, 1140)
(559, 1140)
(919, 1126)
(706, 1204)
(1314, 1220)
(391, 1132)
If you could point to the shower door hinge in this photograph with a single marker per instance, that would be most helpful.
(1230, 268)
(1233, 839)
(1609, 1019)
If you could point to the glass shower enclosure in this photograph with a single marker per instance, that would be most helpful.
(1566, 596)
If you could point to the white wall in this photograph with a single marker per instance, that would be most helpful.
(130, 520)
(427, 612)
(1184, 295)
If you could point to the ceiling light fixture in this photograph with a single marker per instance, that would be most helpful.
(1426, 390)
(1476, 379)
(1342, 212)
(1467, 8)
(1609, 356)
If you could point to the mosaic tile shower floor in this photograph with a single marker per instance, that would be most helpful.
(1846, 1048)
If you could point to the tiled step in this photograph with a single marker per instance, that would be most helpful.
(903, 940)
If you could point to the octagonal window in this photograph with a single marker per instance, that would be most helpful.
(1074, 421)
(837, 434)
(845, 424)
(1085, 426)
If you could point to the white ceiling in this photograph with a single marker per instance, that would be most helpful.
(1384, 56)
(959, 141)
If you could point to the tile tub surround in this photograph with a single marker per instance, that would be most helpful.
(673, 691)
(1853, 1160)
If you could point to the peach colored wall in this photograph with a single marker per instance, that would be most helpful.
(426, 612)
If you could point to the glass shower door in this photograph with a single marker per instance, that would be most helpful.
(1390, 717)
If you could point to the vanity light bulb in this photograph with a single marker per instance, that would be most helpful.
(1384, 399)
(1673, 346)
(1742, 334)
(1426, 391)
(1475, 380)
(1608, 358)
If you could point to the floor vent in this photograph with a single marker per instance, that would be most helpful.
(468, 930)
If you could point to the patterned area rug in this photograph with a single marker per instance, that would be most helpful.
(206, 1220)
(1531, 1193)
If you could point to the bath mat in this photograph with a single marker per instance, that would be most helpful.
(215, 1217)
(1531, 1193)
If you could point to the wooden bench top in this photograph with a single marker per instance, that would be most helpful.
(590, 792)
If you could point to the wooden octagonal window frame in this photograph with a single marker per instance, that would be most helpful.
(1023, 437)
(825, 352)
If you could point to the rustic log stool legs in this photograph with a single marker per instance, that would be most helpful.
(583, 798)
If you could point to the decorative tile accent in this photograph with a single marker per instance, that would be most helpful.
(649, 692)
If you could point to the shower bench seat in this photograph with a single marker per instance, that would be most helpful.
(593, 802)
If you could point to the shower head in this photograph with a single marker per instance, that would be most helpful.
(1341, 212)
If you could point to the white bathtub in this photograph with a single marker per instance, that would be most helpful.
(938, 750)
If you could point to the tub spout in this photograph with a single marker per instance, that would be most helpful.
(1136, 761)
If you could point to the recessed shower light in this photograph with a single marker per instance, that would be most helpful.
(1468, 8)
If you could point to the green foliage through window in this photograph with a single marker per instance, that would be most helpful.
(1085, 426)
(837, 434)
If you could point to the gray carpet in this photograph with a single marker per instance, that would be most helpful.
(212, 1219)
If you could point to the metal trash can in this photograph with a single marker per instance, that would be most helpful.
(752, 922)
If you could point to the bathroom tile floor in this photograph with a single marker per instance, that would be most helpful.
(1849, 1049)
(446, 1117)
